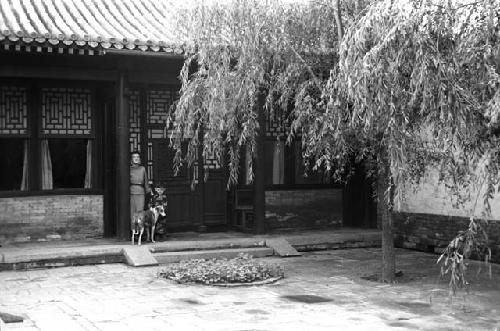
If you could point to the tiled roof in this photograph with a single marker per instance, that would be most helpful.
(89, 25)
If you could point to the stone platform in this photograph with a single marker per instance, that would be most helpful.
(179, 246)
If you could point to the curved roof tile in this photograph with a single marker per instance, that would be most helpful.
(144, 25)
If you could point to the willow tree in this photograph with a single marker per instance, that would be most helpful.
(245, 60)
(416, 87)
(412, 85)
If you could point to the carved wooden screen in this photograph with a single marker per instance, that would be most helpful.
(276, 124)
(13, 111)
(158, 104)
(135, 120)
(66, 111)
(211, 161)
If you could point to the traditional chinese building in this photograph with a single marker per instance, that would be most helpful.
(82, 84)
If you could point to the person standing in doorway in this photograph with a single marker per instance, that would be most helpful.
(139, 185)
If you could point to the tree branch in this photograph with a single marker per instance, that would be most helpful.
(338, 20)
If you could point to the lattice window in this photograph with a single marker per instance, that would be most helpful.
(158, 106)
(66, 111)
(13, 110)
(211, 161)
(135, 120)
(276, 124)
(153, 134)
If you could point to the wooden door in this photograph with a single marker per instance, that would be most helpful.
(215, 198)
(182, 201)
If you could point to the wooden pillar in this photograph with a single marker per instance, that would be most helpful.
(259, 198)
(109, 155)
(122, 161)
(34, 180)
(201, 183)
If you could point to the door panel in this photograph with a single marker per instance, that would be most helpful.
(215, 198)
(181, 210)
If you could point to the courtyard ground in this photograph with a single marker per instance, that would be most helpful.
(322, 291)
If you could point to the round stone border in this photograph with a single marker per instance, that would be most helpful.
(260, 282)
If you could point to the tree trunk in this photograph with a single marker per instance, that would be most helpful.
(388, 253)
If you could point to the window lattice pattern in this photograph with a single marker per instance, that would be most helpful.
(158, 106)
(13, 110)
(211, 161)
(66, 111)
(276, 124)
(150, 162)
(135, 121)
(153, 134)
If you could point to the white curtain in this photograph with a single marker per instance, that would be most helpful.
(24, 181)
(248, 161)
(279, 163)
(47, 182)
(88, 171)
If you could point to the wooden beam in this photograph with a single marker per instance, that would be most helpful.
(122, 161)
(143, 54)
(146, 77)
(17, 71)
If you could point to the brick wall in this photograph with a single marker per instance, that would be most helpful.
(307, 208)
(428, 219)
(429, 232)
(55, 217)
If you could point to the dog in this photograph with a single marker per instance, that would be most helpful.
(146, 219)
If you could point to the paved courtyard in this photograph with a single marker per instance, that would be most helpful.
(321, 291)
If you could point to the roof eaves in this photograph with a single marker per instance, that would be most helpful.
(96, 43)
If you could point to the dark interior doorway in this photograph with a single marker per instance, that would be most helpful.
(360, 207)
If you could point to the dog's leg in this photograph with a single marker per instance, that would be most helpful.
(133, 233)
(140, 235)
(148, 236)
(153, 231)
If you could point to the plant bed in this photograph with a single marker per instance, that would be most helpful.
(242, 270)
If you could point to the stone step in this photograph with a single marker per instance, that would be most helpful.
(199, 245)
(51, 258)
(282, 247)
(139, 256)
(173, 257)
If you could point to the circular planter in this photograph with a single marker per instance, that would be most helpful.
(259, 282)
